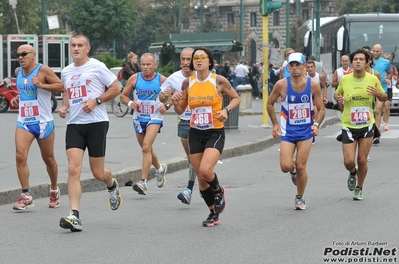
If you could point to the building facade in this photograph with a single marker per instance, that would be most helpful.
(225, 14)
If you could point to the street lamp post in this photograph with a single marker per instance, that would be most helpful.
(13, 4)
(43, 17)
(180, 17)
(201, 9)
(287, 24)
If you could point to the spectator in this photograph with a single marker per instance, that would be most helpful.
(320, 69)
(254, 78)
(240, 73)
(129, 68)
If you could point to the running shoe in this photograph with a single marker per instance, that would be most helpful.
(220, 202)
(357, 194)
(368, 159)
(293, 175)
(115, 198)
(71, 222)
(299, 204)
(54, 198)
(213, 219)
(386, 128)
(185, 196)
(161, 176)
(140, 187)
(339, 138)
(24, 202)
(376, 140)
(351, 182)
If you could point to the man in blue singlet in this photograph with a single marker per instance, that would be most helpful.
(35, 83)
(298, 122)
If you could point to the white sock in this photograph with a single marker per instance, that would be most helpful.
(54, 191)
(160, 169)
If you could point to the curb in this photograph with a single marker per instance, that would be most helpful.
(134, 173)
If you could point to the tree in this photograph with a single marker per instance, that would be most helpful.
(28, 14)
(353, 6)
(62, 10)
(103, 20)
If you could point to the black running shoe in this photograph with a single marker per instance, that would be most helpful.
(220, 202)
(213, 219)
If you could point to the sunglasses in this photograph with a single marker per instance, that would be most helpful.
(201, 58)
(295, 64)
(23, 54)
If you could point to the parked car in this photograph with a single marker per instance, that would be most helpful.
(395, 100)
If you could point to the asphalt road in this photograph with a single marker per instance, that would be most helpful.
(259, 225)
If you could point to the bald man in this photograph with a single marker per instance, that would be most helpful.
(383, 66)
(35, 83)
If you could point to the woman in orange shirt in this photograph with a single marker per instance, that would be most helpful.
(203, 93)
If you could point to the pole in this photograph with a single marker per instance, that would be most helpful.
(380, 6)
(312, 33)
(287, 24)
(180, 15)
(265, 75)
(241, 27)
(318, 6)
(43, 17)
(201, 18)
(16, 21)
(217, 18)
(297, 7)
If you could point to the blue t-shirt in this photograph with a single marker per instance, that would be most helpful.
(383, 66)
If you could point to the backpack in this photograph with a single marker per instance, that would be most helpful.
(120, 73)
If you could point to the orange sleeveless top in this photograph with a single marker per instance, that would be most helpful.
(204, 102)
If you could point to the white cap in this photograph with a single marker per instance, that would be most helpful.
(296, 57)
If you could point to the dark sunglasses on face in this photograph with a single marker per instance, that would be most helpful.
(23, 54)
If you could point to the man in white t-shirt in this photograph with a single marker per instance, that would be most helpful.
(173, 85)
(87, 126)
(241, 72)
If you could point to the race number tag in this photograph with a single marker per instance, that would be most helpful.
(187, 112)
(29, 111)
(77, 94)
(299, 114)
(202, 118)
(146, 107)
(360, 116)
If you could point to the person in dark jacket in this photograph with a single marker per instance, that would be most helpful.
(130, 68)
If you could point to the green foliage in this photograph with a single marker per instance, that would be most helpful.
(167, 69)
(103, 20)
(109, 61)
(62, 10)
(353, 6)
(28, 14)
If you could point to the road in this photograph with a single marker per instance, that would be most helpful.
(259, 225)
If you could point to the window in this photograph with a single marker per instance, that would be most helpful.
(305, 14)
(230, 18)
(276, 18)
(253, 19)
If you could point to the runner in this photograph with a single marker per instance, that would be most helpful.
(357, 89)
(298, 122)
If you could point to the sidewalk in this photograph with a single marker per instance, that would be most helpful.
(124, 155)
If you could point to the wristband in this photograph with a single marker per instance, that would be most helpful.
(316, 124)
(130, 104)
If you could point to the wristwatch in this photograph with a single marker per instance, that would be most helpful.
(167, 106)
(228, 109)
(99, 101)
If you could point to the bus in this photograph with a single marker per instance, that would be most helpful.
(347, 33)
(305, 40)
